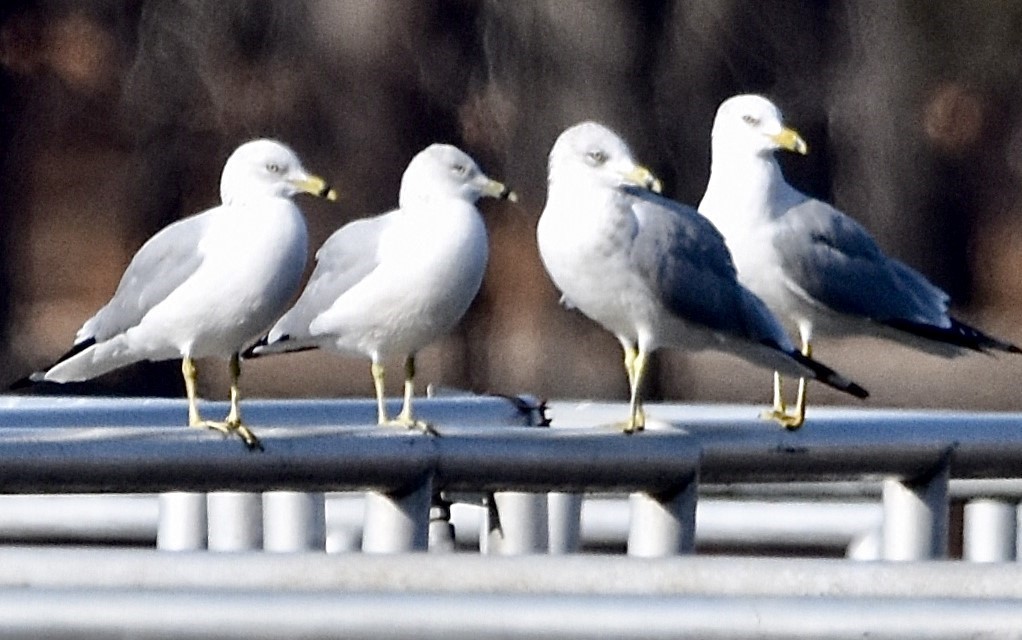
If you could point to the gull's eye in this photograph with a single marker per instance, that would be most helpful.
(459, 170)
(596, 157)
(750, 120)
(273, 167)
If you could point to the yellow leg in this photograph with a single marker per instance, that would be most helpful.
(630, 355)
(381, 404)
(405, 418)
(234, 368)
(779, 410)
(798, 418)
(406, 408)
(189, 373)
(794, 419)
(233, 422)
(636, 415)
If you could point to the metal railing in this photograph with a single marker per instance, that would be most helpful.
(216, 495)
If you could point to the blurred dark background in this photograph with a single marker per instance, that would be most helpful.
(117, 115)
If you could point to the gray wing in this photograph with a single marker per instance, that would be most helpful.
(344, 260)
(686, 261)
(164, 262)
(836, 262)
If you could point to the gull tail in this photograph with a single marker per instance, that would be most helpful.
(40, 376)
(958, 334)
(283, 344)
(829, 377)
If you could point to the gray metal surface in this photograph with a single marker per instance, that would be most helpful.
(617, 575)
(396, 522)
(916, 517)
(294, 521)
(835, 444)
(235, 521)
(183, 520)
(254, 615)
(662, 524)
(516, 524)
(988, 531)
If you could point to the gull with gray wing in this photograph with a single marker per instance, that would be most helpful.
(391, 284)
(208, 285)
(650, 270)
(813, 265)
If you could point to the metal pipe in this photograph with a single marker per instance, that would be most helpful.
(396, 522)
(184, 614)
(664, 524)
(441, 530)
(564, 512)
(520, 524)
(235, 521)
(98, 568)
(916, 516)
(989, 530)
(183, 523)
(294, 521)
(147, 460)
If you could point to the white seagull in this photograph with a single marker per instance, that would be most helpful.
(391, 284)
(650, 270)
(208, 285)
(813, 265)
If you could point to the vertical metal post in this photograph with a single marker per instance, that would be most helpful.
(989, 531)
(182, 522)
(294, 521)
(916, 516)
(663, 525)
(441, 531)
(1018, 533)
(565, 514)
(518, 523)
(235, 521)
(398, 522)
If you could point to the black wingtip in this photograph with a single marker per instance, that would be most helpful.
(958, 334)
(23, 383)
(37, 377)
(829, 377)
(250, 353)
(279, 347)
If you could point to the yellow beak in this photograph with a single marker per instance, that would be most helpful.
(499, 190)
(316, 186)
(790, 140)
(643, 177)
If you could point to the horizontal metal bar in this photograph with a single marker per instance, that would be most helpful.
(961, 489)
(318, 447)
(248, 615)
(56, 568)
(604, 521)
(834, 444)
(94, 518)
(318, 458)
(95, 411)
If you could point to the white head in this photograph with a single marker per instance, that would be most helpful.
(751, 125)
(268, 169)
(443, 171)
(590, 152)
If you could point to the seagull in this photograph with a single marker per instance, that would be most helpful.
(650, 270)
(391, 284)
(208, 285)
(811, 264)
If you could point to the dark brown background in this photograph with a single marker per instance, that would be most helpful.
(116, 116)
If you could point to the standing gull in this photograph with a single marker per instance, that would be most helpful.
(208, 285)
(810, 263)
(391, 284)
(650, 270)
